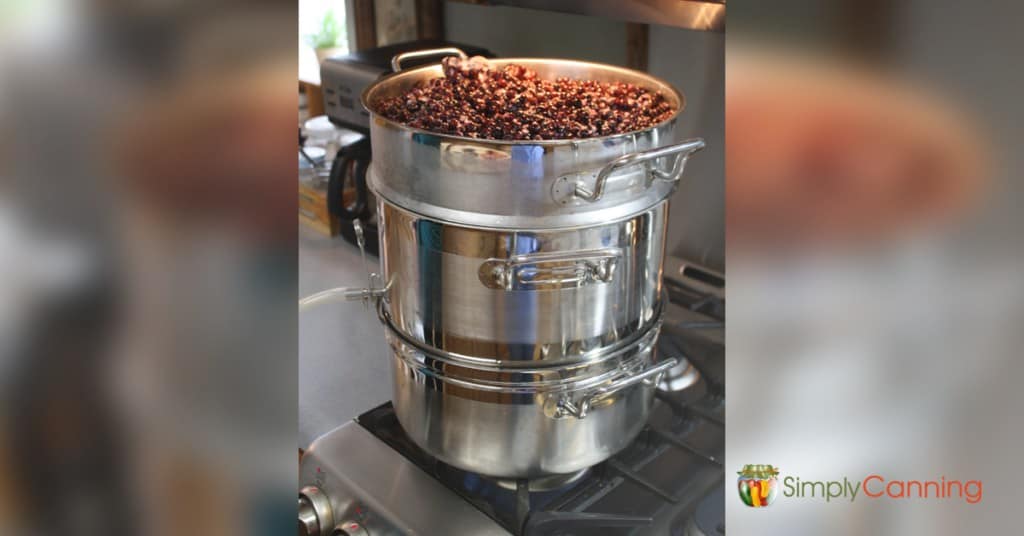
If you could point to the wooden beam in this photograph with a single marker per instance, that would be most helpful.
(429, 19)
(637, 45)
(365, 24)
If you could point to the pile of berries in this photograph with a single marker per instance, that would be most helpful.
(513, 103)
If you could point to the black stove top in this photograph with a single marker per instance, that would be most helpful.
(669, 481)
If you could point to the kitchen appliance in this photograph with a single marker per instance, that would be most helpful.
(343, 79)
(521, 280)
(521, 291)
(368, 477)
(321, 199)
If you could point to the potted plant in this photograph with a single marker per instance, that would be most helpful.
(325, 42)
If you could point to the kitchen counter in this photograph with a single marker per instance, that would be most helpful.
(343, 358)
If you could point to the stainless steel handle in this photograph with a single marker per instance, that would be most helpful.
(550, 271)
(680, 152)
(581, 409)
(396, 61)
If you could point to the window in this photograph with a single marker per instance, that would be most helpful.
(312, 14)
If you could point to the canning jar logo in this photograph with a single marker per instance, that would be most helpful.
(758, 485)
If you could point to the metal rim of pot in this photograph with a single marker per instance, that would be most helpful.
(551, 378)
(613, 217)
(565, 397)
(590, 357)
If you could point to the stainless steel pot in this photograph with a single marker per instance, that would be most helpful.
(516, 251)
(518, 297)
(525, 184)
(523, 423)
(521, 282)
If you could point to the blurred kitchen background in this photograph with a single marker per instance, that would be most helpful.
(681, 42)
(148, 375)
(875, 255)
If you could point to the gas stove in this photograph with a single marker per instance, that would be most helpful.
(367, 477)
